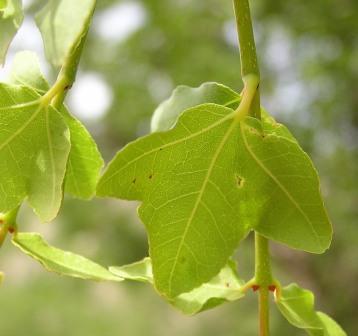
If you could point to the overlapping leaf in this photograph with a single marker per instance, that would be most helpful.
(297, 306)
(85, 161)
(34, 149)
(226, 286)
(207, 182)
(11, 17)
(64, 25)
(59, 261)
(137, 271)
(184, 97)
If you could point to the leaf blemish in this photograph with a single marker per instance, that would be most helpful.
(150, 176)
(134, 180)
(240, 181)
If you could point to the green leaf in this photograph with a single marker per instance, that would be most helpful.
(210, 180)
(85, 160)
(11, 17)
(59, 261)
(64, 25)
(34, 148)
(297, 306)
(137, 271)
(226, 286)
(184, 97)
(25, 70)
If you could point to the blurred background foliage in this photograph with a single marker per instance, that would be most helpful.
(136, 53)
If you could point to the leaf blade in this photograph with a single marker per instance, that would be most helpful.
(34, 144)
(60, 261)
(186, 155)
(85, 161)
(64, 25)
(11, 17)
(297, 306)
(185, 97)
(224, 287)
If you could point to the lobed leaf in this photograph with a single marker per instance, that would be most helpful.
(11, 17)
(34, 149)
(297, 306)
(207, 182)
(226, 286)
(85, 161)
(64, 25)
(59, 261)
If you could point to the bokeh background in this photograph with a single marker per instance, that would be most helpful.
(136, 53)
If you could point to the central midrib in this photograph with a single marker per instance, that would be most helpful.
(197, 202)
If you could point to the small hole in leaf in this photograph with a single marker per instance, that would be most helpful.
(240, 181)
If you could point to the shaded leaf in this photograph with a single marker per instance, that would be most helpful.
(184, 97)
(59, 261)
(64, 25)
(11, 17)
(34, 148)
(226, 286)
(210, 180)
(85, 160)
(297, 306)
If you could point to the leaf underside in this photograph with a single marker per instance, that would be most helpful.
(84, 161)
(11, 17)
(63, 25)
(34, 148)
(297, 306)
(207, 182)
(59, 261)
(224, 287)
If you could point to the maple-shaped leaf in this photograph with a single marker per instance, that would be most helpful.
(207, 182)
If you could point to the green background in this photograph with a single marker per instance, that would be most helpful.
(308, 53)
